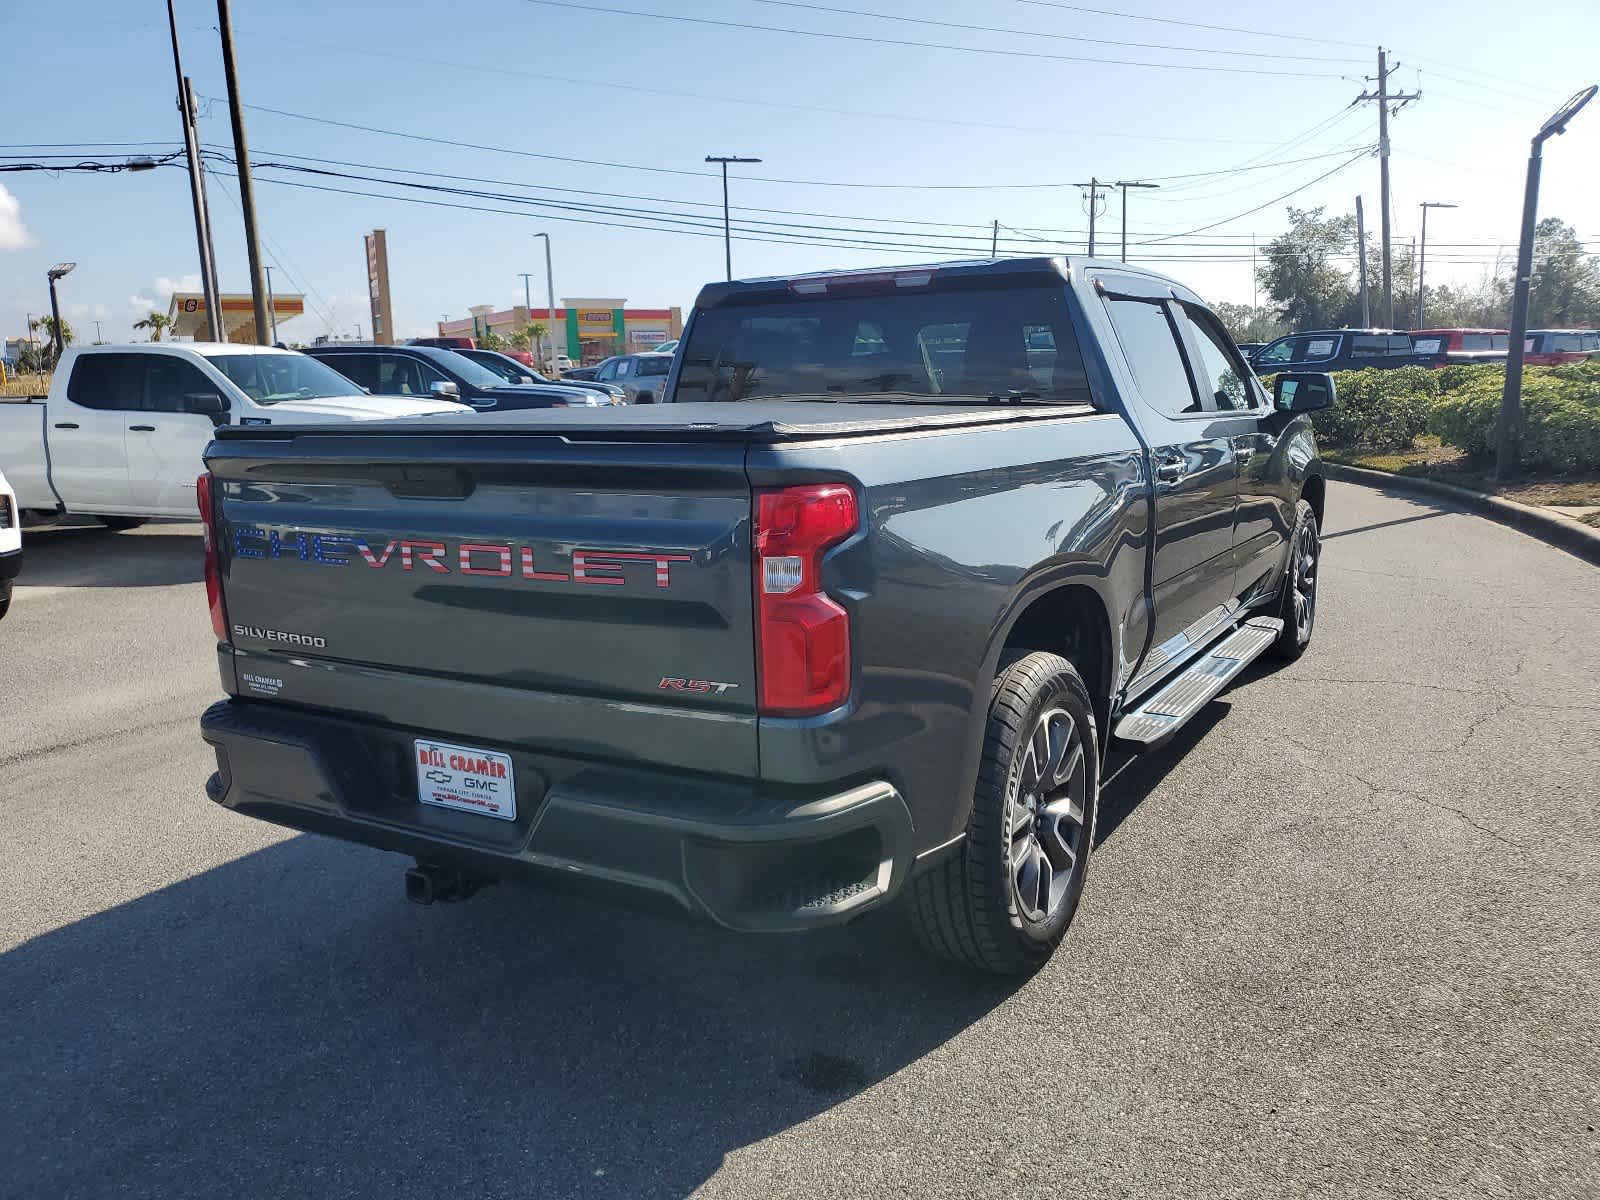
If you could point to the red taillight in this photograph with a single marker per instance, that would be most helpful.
(208, 518)
(802, 634)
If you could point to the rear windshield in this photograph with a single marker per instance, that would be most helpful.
(935, 346)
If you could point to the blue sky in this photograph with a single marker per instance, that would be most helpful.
(575, 83)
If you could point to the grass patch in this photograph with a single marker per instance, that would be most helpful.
(1448, 464)
(25, 385)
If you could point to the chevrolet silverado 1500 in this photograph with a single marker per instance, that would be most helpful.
(853, 616)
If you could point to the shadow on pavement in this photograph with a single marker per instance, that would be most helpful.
(93, 556)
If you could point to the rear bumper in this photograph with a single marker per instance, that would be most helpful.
(10, 565)
(725, 851)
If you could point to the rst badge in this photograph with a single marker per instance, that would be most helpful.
(704, 687)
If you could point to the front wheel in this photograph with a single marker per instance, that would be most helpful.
(5, 597)
(118, 524)
(1297, 607)
(1003, 903)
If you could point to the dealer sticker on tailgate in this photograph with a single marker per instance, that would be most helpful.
(476, 781)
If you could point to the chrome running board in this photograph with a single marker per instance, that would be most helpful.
(1166, 711)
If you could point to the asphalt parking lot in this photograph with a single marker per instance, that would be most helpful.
(1343, 939)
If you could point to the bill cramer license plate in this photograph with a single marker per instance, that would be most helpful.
(464, 778)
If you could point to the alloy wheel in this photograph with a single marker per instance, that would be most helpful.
(1046, 815)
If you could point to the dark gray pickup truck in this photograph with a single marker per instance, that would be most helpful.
(855, 620)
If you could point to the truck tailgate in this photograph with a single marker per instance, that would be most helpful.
(532, 590)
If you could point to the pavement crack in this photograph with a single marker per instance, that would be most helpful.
(10, 760)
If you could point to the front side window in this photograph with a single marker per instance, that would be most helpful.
(359, 369)
(1315, 349)
(401, 375)
(971, 341)
(1151, 345)
(1278, 354)
(1220, 375)
(169, 382)
(624, 368)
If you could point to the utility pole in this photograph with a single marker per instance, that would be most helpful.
(1361, 263)
(1255, 279)
(550, 283)
(1094, 196)
(272, 306)
(1422, 258)
(358, 331)
(527, 303)
(727, 234)
(994, 240)
(202, 221)
(1125, 184)
(241, 158)
(205, 208)
(1508, 454)
(1384, 98)
(54, 273)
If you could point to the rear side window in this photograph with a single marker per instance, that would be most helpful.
(1475, 341)
(360, 369)
(401, 375)
(654, 366)
(1378, 345)
(1150, 343)
(1429, 345)
(106, 381)
(961, 343)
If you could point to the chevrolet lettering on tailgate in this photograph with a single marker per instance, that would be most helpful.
(494, 559)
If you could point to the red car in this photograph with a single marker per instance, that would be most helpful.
(1552, 347)
(1450, 346)
(445, 343)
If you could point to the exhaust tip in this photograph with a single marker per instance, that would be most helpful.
(419, 885)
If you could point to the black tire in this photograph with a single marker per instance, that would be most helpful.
(1297, 605)
(118, 524)
(969, 907)
(5, 597)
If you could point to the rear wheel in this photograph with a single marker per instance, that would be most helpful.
(5, 597)
(120, 523)
(1003, 902)
(1298, 605)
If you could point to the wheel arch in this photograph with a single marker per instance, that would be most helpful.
(1070, 619)
(1314, 492)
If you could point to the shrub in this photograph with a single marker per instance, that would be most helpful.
(1383, 409)
(1454, 378)
(1560, 418)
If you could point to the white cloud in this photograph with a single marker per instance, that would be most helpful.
(184, 283)
(13, 235)
(140, 305)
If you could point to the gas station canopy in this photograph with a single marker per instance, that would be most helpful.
(188, 314)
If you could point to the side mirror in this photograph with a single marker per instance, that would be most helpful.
(444, 390)
(207, 404)
(1303, 391)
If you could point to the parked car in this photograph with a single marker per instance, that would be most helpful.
(514, 370)
(1249, 348)
(1462, 346)
(445, 343)
(122, 430)
(668, 347)
(1340, 350)
(1552, 347)
(10, 542)
(581, 374)
(429, 371)
(642, 376)
(972, 567)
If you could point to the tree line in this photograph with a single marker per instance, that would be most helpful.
(1309, 273)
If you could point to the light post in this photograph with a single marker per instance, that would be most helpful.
(54, 273)
(272, 305)
(550, 285)
(727, 229)
(1422, 258)
(1509, 451)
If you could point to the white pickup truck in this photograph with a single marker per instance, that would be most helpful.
(121, 433)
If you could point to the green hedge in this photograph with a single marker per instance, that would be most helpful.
(1380, 409)
(1560, 417)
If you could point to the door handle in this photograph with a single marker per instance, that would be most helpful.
(1171, 469)
(141, 428)
(65, 425)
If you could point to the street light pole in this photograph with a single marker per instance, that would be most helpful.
(1509, 451)
(727, 227)
(53, 274)
(1125, 184)
(272, 305)
(550, 285)
(1422, 258)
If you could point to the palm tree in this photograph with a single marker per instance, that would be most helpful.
(156, 322)
(536, 335)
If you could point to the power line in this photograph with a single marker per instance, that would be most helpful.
(1039, 33)
(1259, 207)
(882, 41)
(1103, 12)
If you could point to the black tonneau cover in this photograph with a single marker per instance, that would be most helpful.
(775, 421)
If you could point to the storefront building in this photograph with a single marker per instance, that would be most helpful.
(586, 330)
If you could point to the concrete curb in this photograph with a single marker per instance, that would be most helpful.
(1572, 536)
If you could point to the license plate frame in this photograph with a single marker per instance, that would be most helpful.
(469, 779)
